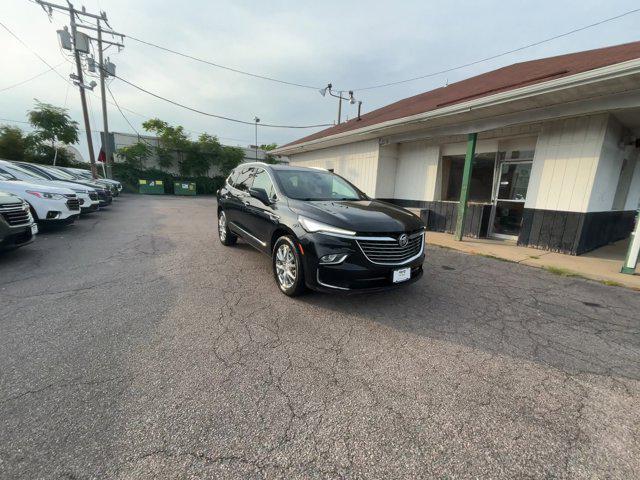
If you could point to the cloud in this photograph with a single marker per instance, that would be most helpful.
(352, 44)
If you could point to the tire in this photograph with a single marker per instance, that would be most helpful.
(227, 238)
(287, 266)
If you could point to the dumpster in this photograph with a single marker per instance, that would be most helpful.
(184, 188)
(151, 187)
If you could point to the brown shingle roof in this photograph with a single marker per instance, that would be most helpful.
(500, 80)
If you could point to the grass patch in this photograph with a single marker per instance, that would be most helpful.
(535, 257)
(563, 272)
(488, 255)
(612, 283)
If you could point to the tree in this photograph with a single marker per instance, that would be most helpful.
(173, 140)
(136, 154)
(52, 124)
(269, 158)
(13, 143)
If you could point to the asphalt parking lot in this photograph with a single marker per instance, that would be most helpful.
(134, 346)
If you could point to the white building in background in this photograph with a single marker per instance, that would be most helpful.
(556, 164)
(119, 140)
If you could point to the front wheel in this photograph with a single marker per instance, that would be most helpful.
(227, 238)
(287, 267)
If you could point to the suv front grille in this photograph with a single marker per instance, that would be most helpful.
(73, 204)
(15, 214)
(389, 252)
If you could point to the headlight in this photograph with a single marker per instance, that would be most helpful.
(49, 195)
(313, 226)
(79, 190)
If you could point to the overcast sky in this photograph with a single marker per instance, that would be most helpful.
(351, 44)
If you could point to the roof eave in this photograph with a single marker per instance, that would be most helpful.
(605, 73)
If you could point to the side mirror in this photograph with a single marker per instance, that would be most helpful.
(260, 194)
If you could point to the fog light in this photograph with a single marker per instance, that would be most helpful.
(333, 259)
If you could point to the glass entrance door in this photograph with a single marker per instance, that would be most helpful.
(509, 198)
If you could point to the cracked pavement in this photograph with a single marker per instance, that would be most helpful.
(134, 346)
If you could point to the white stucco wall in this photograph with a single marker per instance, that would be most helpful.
(357, 162)
(417, 175)
(565, 163)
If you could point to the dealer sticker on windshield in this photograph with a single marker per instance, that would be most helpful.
(401, 275)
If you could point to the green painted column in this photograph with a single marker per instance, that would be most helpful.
(466, 180)
(630, 262)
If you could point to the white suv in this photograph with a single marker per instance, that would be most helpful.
(87, 196)
(48, 204)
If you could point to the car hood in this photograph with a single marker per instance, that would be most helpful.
(18, 187)
(59, 183)
(362, 216)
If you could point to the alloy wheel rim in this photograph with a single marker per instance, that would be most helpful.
(286, 269)
(222, 226)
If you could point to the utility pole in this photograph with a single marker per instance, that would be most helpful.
(83, 98)
(78, 79)
(103, 96)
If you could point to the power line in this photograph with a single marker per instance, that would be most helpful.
(229, 119)
(492, 57)
(33, 51)
(224, 67)
(30, 78)
(121, 112)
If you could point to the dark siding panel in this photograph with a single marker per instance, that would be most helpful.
(536, 223)
(525, 231)
(570, 233)
(557, 231)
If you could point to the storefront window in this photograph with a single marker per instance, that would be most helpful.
(481, 177)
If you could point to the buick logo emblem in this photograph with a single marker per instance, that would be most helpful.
(403, 240)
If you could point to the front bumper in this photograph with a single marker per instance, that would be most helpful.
(16, 236)
(357, 273)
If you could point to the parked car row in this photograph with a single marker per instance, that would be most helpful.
(34, 195)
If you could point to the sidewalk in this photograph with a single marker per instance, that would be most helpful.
(602, 264)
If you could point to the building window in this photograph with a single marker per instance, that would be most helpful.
(481, 177)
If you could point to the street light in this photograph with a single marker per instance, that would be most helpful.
(350, 98)
(256, 120)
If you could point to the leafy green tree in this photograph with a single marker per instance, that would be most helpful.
(52, 124)
(231, 157)
(173, 140)
(136, 154)
(14, 144)
(269, 158)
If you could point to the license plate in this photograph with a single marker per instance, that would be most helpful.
(34, 228)
(401, 275)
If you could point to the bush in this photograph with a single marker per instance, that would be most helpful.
(129, 176)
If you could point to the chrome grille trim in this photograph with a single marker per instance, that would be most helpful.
(388, 252)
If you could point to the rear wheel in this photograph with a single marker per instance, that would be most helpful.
(287, 267)
(227, 238)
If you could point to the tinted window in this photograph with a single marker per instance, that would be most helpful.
(262, 180)
(316, 185)
(243, 181)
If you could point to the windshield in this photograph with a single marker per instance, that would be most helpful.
(316, 185)
(58, 173)
(22, 173)
(6, 176)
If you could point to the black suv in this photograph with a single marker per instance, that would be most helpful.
(319, 229)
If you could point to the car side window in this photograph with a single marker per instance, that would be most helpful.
(262, 180)
(244, 179)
